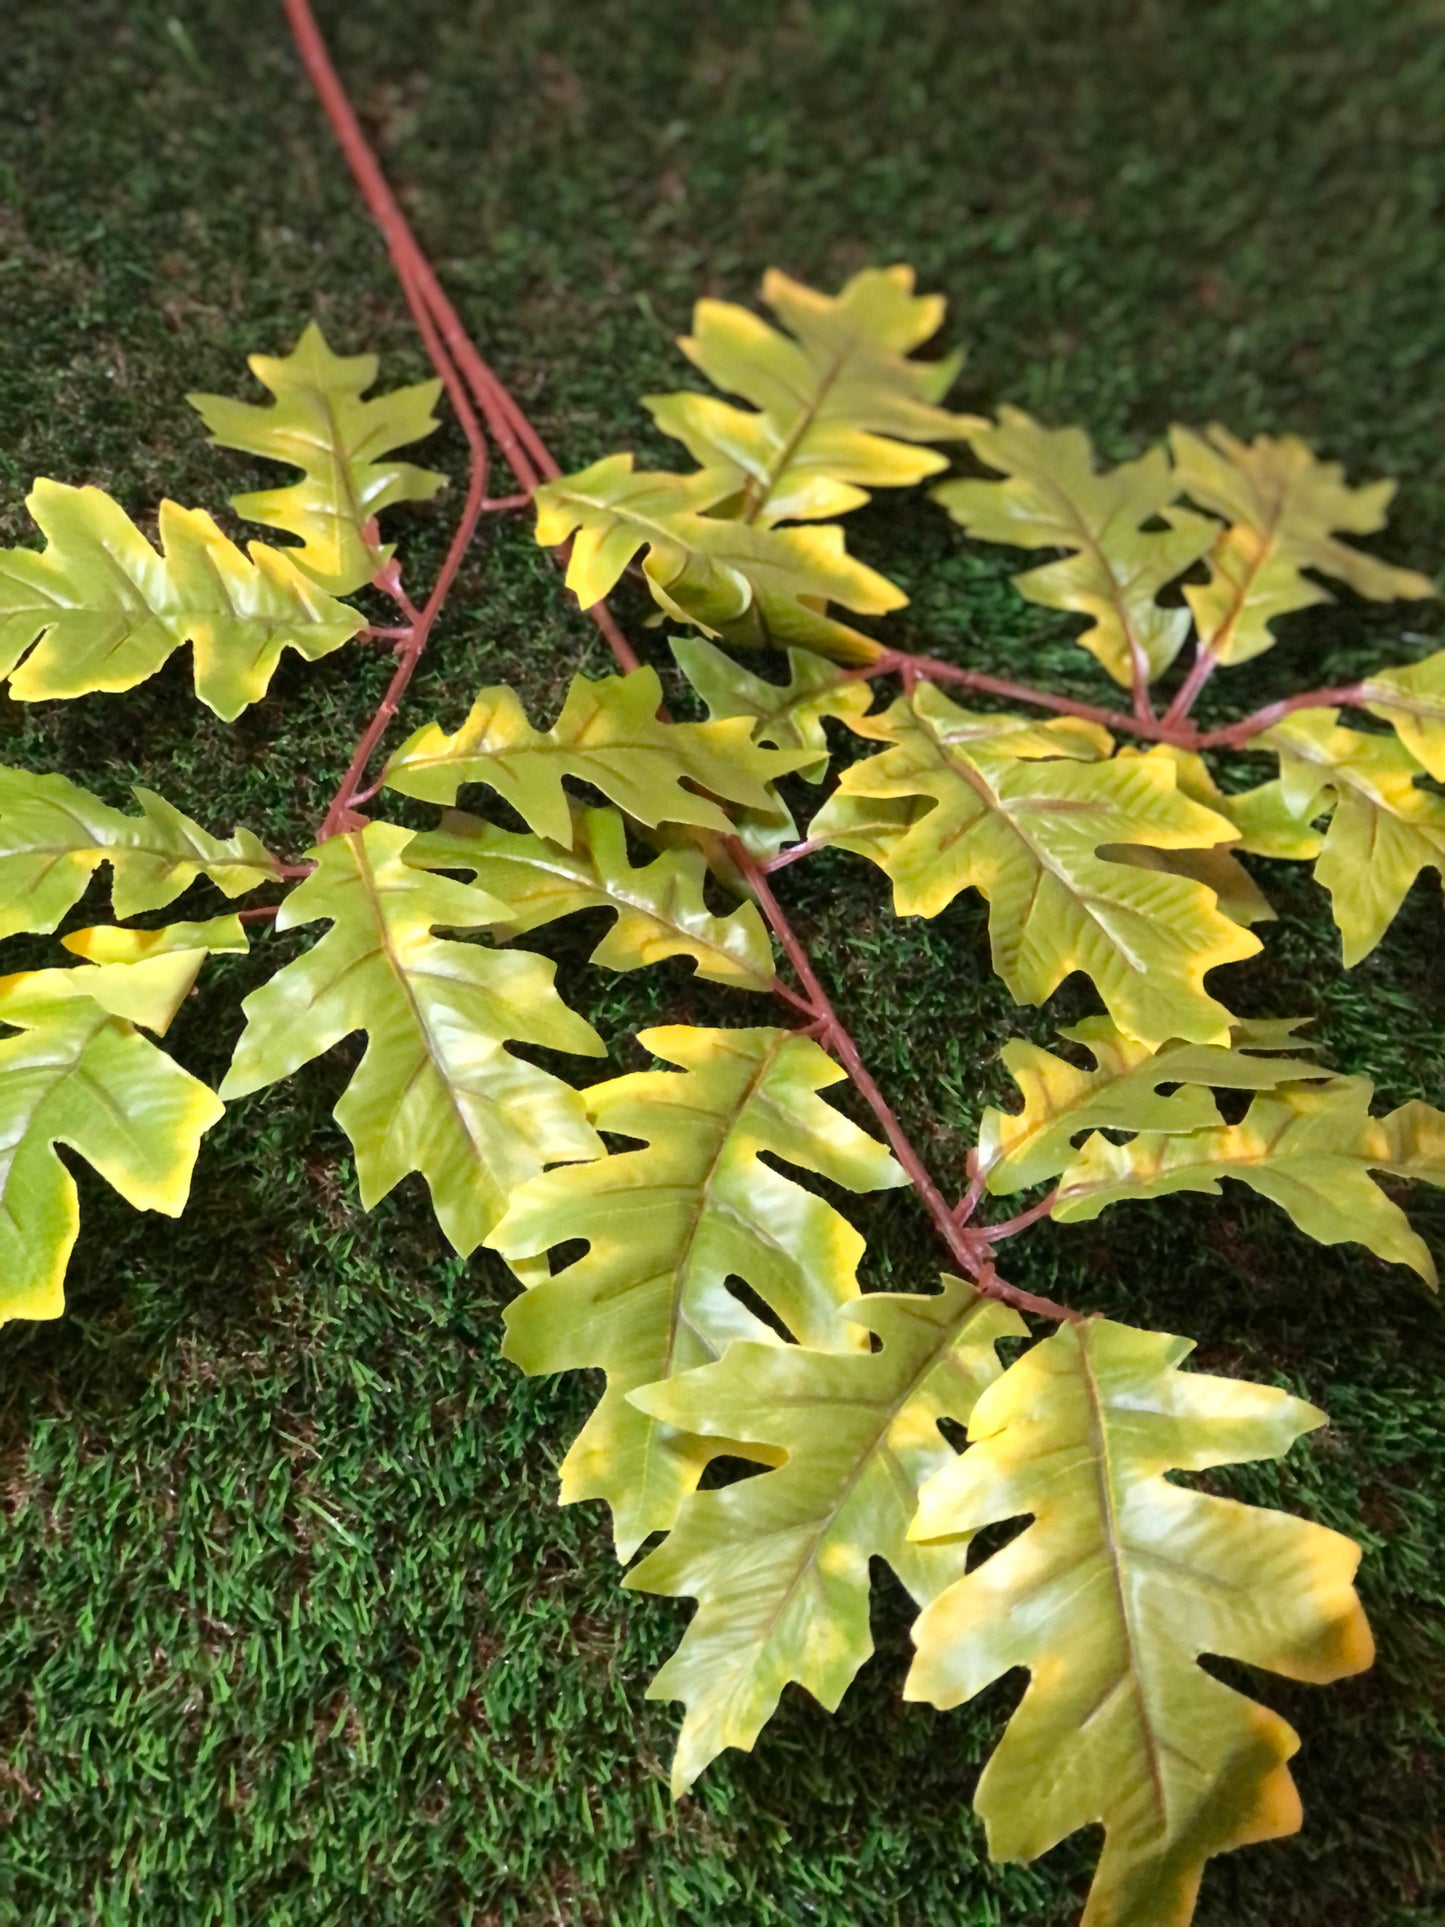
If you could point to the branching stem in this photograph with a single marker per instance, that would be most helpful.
(461, 368)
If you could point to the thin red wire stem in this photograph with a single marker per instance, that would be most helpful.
(1200, 670)
(1011, 1226)
(453, 354)
(1232, 735)
(343, 804)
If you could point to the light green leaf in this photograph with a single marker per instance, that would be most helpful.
(609, 734)
(1412, 701)
(321, 424)
(1055, 498)
(54, 836)
(1021, 1148)
(660, 907)
(749, 584)
(80, 1074)
(1384, 828)
(837, 407)
(1219, 869)
(667, 1226)
(437, 1090)
(786, 715)
(1108, 1598)
(1281, 506)
(1016, 816)
(107, 611)
(779, 1562)
(1308, 1147)
(106, 944)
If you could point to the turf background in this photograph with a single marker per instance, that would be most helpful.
(292, 1631)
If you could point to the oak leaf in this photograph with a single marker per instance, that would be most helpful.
(1018, 815)
(1311, 1148)
(54, 836)
(784, 716)
(437, 1090)
(1383, 828)
(660, 907)
(609, 734)
(1281, 507)
(1054, 497)
(79, 1073)
(779, 1562)
(107, 612)
(749, 584)
(1122, 1092)
(1412, 701)
(322, 423)
(838, 409)
(1110, 1596)
(667, 1226)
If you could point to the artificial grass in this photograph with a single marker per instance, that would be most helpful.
(292, 1629)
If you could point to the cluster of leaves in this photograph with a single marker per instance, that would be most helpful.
(717, 1294)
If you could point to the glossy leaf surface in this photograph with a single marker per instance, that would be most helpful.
(609, 735)
(1383, 829)
(779, 1562)
(322, 423)
(1017, 815)
(104, 611)
(437, 1091)
(1055, 497)
(1108, 1598)
(1283, 509)
(838, 409)
(54, 836)
(660, 908)
(1311, 1148)
(1122, 1092)
(747, 583)
(667, 1226)
(79, 1073)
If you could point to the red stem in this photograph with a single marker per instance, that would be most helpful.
(1200, 670)
(1346, 695)
(446, 341)
(339, 815)
(931, 669)
(1011, 1225)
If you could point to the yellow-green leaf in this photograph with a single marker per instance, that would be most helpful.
(667, 1226)
(1383, 830)
(106, 611)
(321, 423)
(1282, 507)
(1015, 816)
(1412, 701)
(659, 905)
(1109, 1597)
(79, 1073)
(786, 715)
(779, 1563)
(739, 580)
(1055, 498)
(1219, 869)
(437, 1090)
(54, 836)
(108, 944)
(839, 409)
(1017, 1149)
(1309, 1147)
(609, 735)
